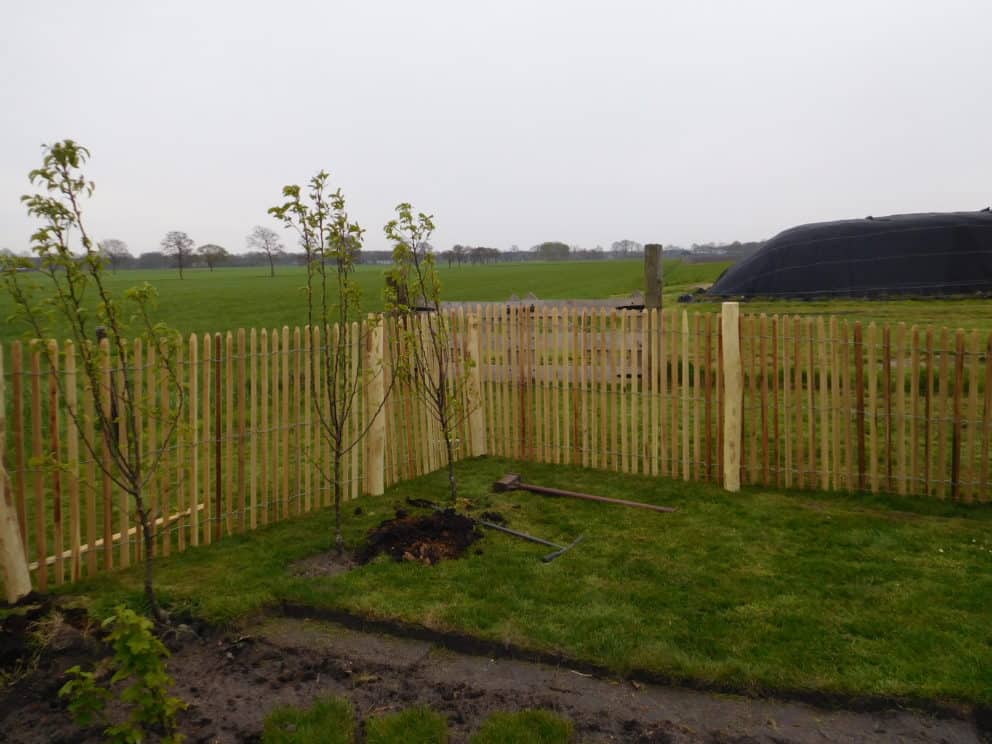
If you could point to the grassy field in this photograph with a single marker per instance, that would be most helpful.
(762, 591)
(230, 298)
(226, 299)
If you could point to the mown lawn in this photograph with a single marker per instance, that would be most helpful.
(760, 591)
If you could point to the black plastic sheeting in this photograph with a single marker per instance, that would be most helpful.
(904, 254)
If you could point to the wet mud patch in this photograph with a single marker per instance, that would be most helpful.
(425, 538)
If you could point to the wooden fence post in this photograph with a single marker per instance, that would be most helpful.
(13, 564)
(732, 397)
(476, 404)
(375, 465)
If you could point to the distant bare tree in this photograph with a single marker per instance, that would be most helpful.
(115, 251)
(180, 245)
(266, 240)
(213, 254)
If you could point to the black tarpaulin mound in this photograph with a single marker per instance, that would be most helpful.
(903, 254)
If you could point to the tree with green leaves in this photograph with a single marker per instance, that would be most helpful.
(70, 285)
(332, 243)
(428, 360)
(179, 245)
(213, 254)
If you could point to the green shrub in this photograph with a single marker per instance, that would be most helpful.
(139, 674)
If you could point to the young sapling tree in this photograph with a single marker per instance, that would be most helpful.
(73, 290)
(331, 242)
(426, 357)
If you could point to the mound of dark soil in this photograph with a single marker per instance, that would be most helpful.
(425, 538)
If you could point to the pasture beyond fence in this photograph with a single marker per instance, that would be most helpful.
(792, 402)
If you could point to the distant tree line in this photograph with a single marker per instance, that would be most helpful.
(178, 251)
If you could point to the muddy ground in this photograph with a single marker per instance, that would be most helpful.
(233, 680)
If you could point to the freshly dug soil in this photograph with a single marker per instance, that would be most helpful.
(494, 517)
(417, 537)
(40, 627)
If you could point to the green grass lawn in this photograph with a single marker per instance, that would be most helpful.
(760, 591)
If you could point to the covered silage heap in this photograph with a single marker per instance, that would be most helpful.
(900, 255)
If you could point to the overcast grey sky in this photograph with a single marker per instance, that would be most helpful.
(513, 122)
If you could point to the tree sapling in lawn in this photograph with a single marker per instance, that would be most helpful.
(117, 447)
(332, 243)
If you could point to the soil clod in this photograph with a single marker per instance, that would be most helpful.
(493, 516)
(424, 538)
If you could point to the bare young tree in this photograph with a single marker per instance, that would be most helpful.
(73, 283)
(266, 240)
(115, 251)
(428, 360)
(332, 243)
(213, 254)
(179, 245)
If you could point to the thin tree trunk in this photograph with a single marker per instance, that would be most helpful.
(452, 482)
(338, 537)
(272, 267)
(148, 538)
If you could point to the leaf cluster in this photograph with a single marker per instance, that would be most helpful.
(139, 676)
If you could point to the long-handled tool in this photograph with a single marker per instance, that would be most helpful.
(559, 549)
(512, 482)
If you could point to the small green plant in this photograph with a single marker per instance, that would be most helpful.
(138, 665)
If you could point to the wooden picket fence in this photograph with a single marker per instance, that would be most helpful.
(814, 403)
(825, 403)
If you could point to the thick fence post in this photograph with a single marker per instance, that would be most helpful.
(652, 276)
(732, 397)
(13, 564)
(476, 403)
(376, 444)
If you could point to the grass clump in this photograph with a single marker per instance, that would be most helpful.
(419, 725)
(327, 721)
(525, 727)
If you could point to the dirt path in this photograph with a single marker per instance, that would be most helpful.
(233, 681)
